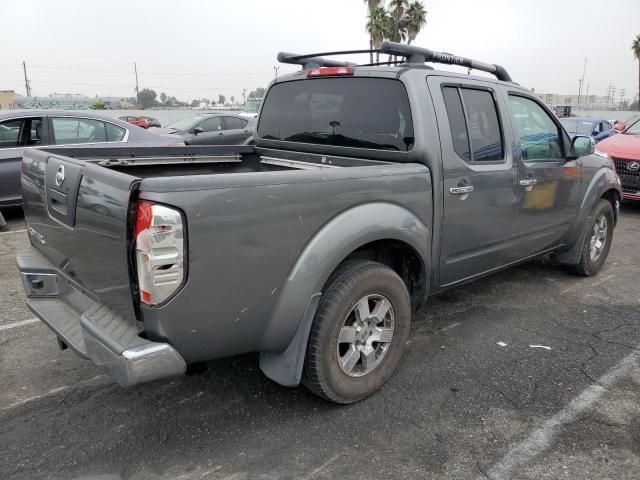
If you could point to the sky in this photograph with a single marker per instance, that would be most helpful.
(197, 48)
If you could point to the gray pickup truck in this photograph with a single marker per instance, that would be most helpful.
(369, 189)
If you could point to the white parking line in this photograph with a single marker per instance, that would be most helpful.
(22, 323)
(51, 392)
(580, 284)
(542, 437)
(13, 231)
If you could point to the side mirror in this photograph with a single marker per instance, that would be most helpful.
(198, 130)
(618, 127)
(581, 146)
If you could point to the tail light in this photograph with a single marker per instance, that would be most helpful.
(329, 71)
(159, 242)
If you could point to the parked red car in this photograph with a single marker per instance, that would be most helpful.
(138, 121)
(620, 126)
(624, 150)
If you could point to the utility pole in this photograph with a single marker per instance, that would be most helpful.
(622, 92)
(135, 69)
(276, 69)
(244, 95)
(27, 85)
(613, 96)
(584, 70)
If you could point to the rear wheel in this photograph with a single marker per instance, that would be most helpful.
(597, 242)
(359, 332)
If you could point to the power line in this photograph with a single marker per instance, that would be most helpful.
(147, 72)
(155, 87)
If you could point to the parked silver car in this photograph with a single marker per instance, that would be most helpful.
(46, 128)
(211, 129)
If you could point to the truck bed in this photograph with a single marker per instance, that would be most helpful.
(254, 220)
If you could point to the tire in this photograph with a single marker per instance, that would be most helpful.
(338, 336)
(592, 257)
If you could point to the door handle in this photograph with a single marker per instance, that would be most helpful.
(529, 182)
(461, 190)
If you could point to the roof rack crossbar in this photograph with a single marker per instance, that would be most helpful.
(411, 53)
(415, 54)
(315, 60)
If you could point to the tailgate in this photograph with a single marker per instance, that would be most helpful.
(77, 216)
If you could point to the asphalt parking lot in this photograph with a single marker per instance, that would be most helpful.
(460, 405)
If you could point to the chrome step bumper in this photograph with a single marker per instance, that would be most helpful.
(92, 329)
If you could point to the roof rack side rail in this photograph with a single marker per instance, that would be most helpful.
(415, 54)
(310, 61)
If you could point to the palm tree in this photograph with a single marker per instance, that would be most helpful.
(397, 9)
(378, 25)
(416, 18)
(371, 6)
(635, 46)
(397, 30)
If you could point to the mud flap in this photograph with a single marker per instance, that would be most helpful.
(285, 367)
(572, 256)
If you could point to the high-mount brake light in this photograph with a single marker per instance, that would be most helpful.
(159, 241)
(329, 71)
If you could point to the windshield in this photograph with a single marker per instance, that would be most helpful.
(252, 105)
(185, 123)
(349, 112)
(634, 129)
(575, 125)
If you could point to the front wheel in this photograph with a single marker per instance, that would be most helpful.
(358, 333)
(597, 242)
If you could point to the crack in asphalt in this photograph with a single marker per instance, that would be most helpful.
(499, 392)
(481, 469)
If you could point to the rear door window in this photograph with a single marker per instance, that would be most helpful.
(474, 123)
(232, 123)
(457, 122)
(212, 124)
(114, 132)
(69, 130)
(349, 112)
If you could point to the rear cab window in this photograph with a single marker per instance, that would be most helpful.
(357, 112)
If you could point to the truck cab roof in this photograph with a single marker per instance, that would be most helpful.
(414, 59)
(392, 71)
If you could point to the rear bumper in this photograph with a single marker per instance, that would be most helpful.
(92, 329)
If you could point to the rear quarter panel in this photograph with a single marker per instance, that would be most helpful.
(259, 247)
